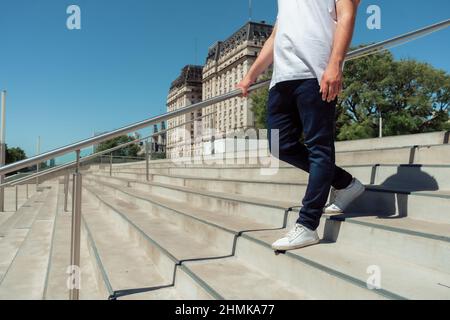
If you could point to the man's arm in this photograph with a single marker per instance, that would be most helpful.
(264, 60)
(331, 83)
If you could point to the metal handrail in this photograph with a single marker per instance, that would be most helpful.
(97, 154)
(390, 43)
(232, 94)
(69, 165)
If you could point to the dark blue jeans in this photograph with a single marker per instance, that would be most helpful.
(296, 107)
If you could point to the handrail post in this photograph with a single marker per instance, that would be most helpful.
(37, 178)
(17, 197)
(38, 164)
(27, 191)
(147, 160)
(110, 164)
(76, 232)
(66, 190)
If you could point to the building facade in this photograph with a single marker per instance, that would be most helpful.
(182, 130)
(226, 65)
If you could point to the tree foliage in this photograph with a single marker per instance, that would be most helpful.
(129, 151)
(259, 103)
(14, 155)
(411, 96)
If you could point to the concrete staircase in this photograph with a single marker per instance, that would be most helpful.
(22, 198)
(25, 240)
(204, 232)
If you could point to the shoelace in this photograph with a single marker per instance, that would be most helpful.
(294, 232)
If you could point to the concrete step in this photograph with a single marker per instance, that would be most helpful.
(411, 239)
(376, 201)
(414, 241)
(285, 191)
(286, 175)
(159, 294)
(437, 154)
(413, 177)
(5, 216)
(336, 265)
(57, 276)
(10, 196)
(374, 232)
(25, 277)
(428, 148)
(426, 155)
(234, 279)
(25, 215)
(170, 229)
(127, 260)
(431, 206)
(13, 231)
(422, 139)
(270, 213)
(130, 262)
(252, 276)
(184, 285)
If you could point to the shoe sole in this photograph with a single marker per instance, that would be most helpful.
(311, 243)
(333, 213)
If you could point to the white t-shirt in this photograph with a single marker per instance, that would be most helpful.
(304, 39)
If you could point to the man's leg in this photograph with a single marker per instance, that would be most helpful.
(298, 156)
(318, 122)
(317, 118)
(284, 116)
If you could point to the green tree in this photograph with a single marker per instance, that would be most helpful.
(17, 154)
(259, 100)
(14, 155)
(411, 96)
(129, 151)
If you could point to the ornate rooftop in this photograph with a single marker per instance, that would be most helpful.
(251, 31)
(190, 75)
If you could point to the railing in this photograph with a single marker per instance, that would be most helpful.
(66, 167)
(77, 147)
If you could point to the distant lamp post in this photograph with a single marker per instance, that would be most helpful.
(38, 152)
(2, 150)
(380, 126)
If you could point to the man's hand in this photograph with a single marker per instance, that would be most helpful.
(244, 85)
(331, 83)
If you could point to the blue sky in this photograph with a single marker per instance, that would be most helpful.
(63, 85)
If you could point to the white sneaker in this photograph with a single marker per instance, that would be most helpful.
(343, 198)
(299, 237)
